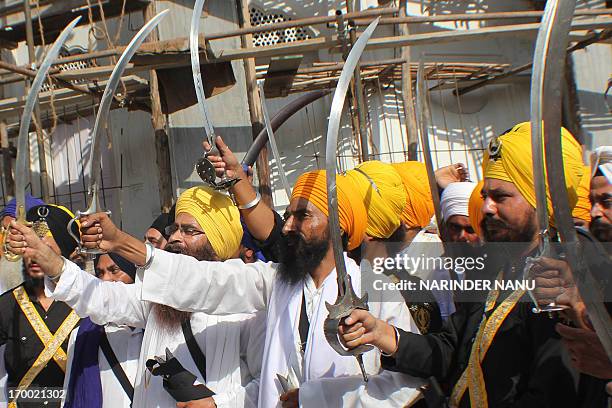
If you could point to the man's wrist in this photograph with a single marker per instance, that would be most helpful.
(57, 269)
(389, 341)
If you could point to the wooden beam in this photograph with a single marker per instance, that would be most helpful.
(7, 160)
(162, 143)
(254, 101)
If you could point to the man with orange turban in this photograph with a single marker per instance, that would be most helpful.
(293, 293)
(486, 343)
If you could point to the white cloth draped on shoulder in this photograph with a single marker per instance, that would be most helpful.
(327, 379)
(226, 341)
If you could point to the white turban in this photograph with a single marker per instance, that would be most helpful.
(601, 159)
(455, 198)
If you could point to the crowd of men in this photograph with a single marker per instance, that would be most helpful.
(224, 302)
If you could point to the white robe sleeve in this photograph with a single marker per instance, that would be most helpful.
(103, 302)
(220, 288)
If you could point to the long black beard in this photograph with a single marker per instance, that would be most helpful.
(300, 257)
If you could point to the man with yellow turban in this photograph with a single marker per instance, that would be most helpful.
(582, 210)
(494, 352)
(293, 293)
(221, 353)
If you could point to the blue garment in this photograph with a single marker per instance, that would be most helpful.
(85, 386)
(11, 206)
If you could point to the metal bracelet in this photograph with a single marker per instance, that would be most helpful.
(397, 338)
(252, 204)
(56, 278)
(149, 256)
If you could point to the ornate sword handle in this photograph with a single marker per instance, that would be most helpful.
(339, 311)
(91, 252)
(21, 219)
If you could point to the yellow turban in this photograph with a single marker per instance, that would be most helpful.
(475, 207)
(419, 204)
(582, 210)
(312, 186)
(514, 164)
(217, 215)
(383, 194)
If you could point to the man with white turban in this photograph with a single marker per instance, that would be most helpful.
(219, 355)
(454, 204)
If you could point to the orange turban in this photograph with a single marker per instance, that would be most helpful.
(419, 204)
(514, 164)
(312, 186)
(582, 210)
(382, 192)
(475, 207)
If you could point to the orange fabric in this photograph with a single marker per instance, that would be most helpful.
(382, 192)
(475, 208)
(419, 204)
(312, 186)
(582, 210)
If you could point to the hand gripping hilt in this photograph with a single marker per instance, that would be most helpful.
(344, 306)
(94, 208)
(21, 219)
(206, 171)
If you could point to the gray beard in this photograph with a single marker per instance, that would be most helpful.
(169, 319)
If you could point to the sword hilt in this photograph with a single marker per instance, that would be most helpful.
(344, 306)
(89, 253)
(20, 219)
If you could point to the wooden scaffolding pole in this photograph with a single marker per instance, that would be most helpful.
(7, 160)
(359, 105)
(162, 144)
(407, 98)
(256, 115)
(42, 156)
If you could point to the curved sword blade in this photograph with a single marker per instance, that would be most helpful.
(272, 139)
(331, 148)
(194, 49)
(538, 75)
(423, 116)
(21, 166)
(347, 300)
(546, 111)
(95, 156)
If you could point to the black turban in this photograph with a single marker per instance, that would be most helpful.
(160, 223)
(56, 219)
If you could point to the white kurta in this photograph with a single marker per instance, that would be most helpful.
(232, 344)
(126, 343)
(327, 379)
(429, 245)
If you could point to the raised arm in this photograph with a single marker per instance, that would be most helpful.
(228, 287)
(103, 302)
(259, 218)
